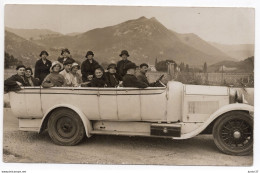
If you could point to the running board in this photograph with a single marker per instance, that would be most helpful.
(166, 130)
(119, 133)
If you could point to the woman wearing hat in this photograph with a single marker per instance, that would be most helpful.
(122, 63)
(88, 67)
(65, 56)
(112, 78)
(31, 80)
(16, 81)
(99, 79)
(42, 66)
(76, 79)
(54, 79)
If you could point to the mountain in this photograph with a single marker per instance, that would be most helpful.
(244, 66)
(145, 39)
(33, 34)
(236, 51)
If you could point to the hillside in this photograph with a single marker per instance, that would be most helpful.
(244, 66)
(33, 34)
(145, 39)
(239, 51)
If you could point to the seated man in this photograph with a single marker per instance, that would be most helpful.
(141, 76)
(66, 73)
(129, 80)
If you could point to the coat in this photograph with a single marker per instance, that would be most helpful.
(53, 80)
(121, 67)
(88, 68)
(98, 82)
(131, 81)
(142, 78)
(112, 80)
(11, 85)
(61, 60)
(35, 82)
(41, 69)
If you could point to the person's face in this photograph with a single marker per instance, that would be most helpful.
(67, 67)
(65, 54)
(44, 56)
(131, 71)
(90, 57)
(28, 73)
(124, 57)
(112, 70)
(74, 69)
(98, 73)
(56, 68)
(144, 69)
(20, 71)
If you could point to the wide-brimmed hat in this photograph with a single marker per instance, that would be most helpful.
(56, 63)
(89, 53)
(130, 65)
(124, 52)
(112, 65)
(75, 65)
(65, 50)
(44, 52)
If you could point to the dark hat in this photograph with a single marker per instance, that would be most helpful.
(65, 50)
(112, 65)
(130, 65)
(29, 68)
(124, 52)
(144, 64)
(20, 66)
(44, 52)
(89, 53)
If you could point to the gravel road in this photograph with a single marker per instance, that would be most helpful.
(24, 147)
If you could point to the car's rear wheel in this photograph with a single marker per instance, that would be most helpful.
(233, 133)
(65, 127)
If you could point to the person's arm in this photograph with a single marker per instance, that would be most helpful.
(139, 84)
(11, 81)
(47, 83)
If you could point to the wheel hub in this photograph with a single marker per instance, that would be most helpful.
(237, 134)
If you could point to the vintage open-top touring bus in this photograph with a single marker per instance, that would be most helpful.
(176, 111)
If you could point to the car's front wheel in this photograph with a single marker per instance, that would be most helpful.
(233, 133)
(65, 127)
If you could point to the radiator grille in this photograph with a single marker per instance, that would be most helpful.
(202, 107)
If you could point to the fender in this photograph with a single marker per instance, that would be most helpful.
(86, 122)
(219, 112)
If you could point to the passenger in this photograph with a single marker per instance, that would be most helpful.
(141, 76)
(65, 56)
(88, 67)
(122, 63)
(129, 80)
(31, 80)
(16, 81)
(76, 79)
(42, 66)
(99, 79)
(113, 79)
(54, 79)
(66, 73)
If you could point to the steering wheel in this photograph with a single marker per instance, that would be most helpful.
(159, 82)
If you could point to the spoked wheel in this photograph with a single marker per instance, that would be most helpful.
(233, 133)
(65, 127)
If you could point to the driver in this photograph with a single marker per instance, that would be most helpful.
(141, 76)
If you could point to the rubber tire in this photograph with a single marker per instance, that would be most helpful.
(52, 127)
(221, 121)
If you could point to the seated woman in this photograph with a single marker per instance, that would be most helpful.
(99, 78)
(16, 81)
(76, 79)
(31, 80)
(112, 78)
(54, 79)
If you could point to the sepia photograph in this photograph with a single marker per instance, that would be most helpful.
(128, 85)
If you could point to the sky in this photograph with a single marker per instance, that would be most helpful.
(221, 25)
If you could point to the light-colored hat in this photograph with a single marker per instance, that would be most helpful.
(75, 65)
(56, 63)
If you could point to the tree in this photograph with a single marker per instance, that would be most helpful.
(187, 68)
(205, 68)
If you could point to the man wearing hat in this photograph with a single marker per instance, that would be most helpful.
(65, 55)
(42, 66)
(122, 63)
(88, 67)
(16, 81)
(112, 78)
(130, 80)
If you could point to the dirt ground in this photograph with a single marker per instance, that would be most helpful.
(31, 147)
